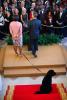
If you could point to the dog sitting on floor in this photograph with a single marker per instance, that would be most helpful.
(46, 86)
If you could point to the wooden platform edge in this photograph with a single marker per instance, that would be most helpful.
(64, 51)
(2, 54)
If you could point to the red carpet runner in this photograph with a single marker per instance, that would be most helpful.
(26, 92)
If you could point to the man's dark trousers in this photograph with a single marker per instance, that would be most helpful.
(34, 45)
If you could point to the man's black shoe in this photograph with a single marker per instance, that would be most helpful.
(35, 55)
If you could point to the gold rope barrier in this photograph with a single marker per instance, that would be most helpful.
(53, 26)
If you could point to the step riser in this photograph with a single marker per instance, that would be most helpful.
(35, 66)
(30, 75)
(32, 72)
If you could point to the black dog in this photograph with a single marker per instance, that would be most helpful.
(46, 83)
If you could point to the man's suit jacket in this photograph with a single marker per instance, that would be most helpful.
(34, 28)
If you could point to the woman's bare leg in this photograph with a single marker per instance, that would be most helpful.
(15, 49)
(20, 50)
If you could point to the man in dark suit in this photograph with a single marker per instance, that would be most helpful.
(34, 30)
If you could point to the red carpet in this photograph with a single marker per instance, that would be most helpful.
(26, 92)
